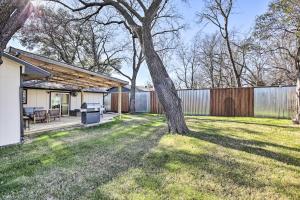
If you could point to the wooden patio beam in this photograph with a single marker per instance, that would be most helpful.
(72, 82)
(70, 72)
(75, 80)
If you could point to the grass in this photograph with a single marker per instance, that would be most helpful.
(134, 158)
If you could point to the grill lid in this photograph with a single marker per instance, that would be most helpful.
(91, 106)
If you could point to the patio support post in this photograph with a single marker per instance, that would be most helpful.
(21, 106)
(120, 100)
(82, 96)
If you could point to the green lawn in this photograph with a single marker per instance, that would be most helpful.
(134, 158)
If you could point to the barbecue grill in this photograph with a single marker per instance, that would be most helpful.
(90, 113)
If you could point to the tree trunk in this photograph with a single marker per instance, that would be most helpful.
(236, 74)
(13, 16)
(297, 117)
(132, 94)
(163, 84)
(297, 66)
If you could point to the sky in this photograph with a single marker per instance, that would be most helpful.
(242, 20)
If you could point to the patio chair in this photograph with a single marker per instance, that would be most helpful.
(53, 114)
(28, 112)
(40, 115)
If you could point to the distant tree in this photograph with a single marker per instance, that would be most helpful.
(136, 62)
(188, 66)
(218, 12)
(282, 23)
(205, 63)
(13, 14)
(256, 64)
(212, 58)
(57, 34)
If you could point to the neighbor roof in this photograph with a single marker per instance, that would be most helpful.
(30, 71)
(68, 74)
(127, 88)
(142, 88)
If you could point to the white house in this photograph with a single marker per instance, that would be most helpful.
(47, 95)
(30, 80)
(12, 72)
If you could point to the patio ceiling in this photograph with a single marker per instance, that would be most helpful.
(66, 74)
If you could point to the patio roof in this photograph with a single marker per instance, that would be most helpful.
(68, 74)
(30, 71)
(44, 84)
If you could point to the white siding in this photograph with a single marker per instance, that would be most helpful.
(93, 98)
(40, 98)
(37, 98)
(76, 101)
(88, 98)
(9, 102)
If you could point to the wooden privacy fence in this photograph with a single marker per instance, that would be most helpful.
(238, 102)
(279, 102)
(125, 102)
(155, 106)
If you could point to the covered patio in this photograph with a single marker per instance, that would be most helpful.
(64, 123)
(68, 75)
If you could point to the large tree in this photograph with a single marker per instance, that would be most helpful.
(165, 33)
(140, 17)
(280, 24)
(13, 14)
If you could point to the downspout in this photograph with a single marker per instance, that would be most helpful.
(104, 95)
(1, 54)
(21, 106)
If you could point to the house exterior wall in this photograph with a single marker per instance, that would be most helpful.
(76, 102)
(9, 102)
(37, 98)
(41, 98)
(88, 98)
(93, 98)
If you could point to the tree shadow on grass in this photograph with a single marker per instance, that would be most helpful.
(197, 120)
(222, 168)
(228, 176)
(215, 132)
(249, 146)
(250, 131)
(80, 167)
(160, 168)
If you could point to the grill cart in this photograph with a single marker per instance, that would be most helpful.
(90, 113)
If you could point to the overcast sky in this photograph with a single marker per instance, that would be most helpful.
(245, 12)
